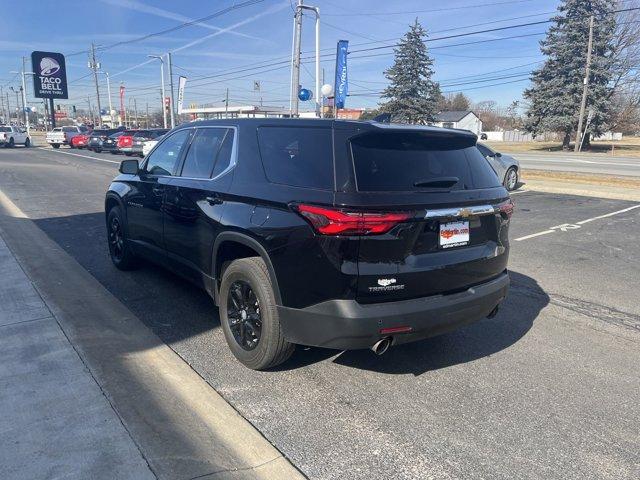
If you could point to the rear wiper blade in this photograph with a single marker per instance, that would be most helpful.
(438, 182)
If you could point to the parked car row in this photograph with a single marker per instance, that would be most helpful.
(114, 140)
(117, 141)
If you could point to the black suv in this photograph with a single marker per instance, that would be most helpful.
(336, 234)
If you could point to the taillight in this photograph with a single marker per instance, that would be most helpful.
(123, 141)
(506, 207)
(328, 221)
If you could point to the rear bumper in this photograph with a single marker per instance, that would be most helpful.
(134, 149)
(347, 324)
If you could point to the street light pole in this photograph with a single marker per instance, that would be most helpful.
(170, 65)
(109, 95)
(164, 110)
(295, 62)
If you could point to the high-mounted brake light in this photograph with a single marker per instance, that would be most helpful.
(329, 221)
(506, 207)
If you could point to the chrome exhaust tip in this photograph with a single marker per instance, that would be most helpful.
(381, 346)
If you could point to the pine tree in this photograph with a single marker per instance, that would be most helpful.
(556, 92)
(412, 94)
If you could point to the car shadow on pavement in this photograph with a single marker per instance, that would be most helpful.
(176, 310)
(517, 313)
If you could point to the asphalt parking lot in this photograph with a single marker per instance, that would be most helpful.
(546, 389)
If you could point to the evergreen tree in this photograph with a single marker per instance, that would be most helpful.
(556, 93)
(412, 94)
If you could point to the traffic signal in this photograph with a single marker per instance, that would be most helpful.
(73, 107)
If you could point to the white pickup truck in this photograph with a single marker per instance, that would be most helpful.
(11, 136)
(63, 135)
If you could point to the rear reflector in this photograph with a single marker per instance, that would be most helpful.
(387, 331)
(328, 221)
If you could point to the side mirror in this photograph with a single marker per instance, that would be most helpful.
(498, 154)
(129, 167)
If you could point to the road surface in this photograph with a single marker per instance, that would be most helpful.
(546, 389)
(581, 163)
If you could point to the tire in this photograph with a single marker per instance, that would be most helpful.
(120, 251)
(27, 143)
(97, 150)
(12, 143)
(128, 154)
(70, 145)
(270, 348)
(55, 145)
(511, 179)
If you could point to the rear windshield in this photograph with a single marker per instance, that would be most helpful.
(5, 129)
(69, 129)
(297, 156)
(98, 133)
(412, 161)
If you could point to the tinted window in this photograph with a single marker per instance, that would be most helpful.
(398, 161)
(69, 129)
(116, 135)
(485, 150)
(224, 154)
(5, 129)
(163, 159)
(99, 133)
(202, 152)
(297, 156)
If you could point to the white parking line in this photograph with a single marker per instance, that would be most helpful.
(574, 226)
(79, 155)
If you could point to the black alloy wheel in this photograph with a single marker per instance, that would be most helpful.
(116, 238)
(243, 314)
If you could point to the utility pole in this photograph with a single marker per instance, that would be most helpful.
(169, 64)
(147, 114)
(2, 111)
(135, 112)
(226, 105)
(585, 90)
(8, 110)
(93, 65)
(295, 59)
(24, 98)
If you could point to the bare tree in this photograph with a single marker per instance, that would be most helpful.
(626, 77)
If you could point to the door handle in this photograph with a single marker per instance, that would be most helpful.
(214, 200)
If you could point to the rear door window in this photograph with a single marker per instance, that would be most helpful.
(297, 156)
(409, 161)
(203, 152)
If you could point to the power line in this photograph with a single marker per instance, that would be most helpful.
(173, 29)
(431, 10)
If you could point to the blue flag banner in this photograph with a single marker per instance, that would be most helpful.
(342, 82)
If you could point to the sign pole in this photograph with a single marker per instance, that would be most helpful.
(53, 113)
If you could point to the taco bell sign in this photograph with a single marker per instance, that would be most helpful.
(50, 75)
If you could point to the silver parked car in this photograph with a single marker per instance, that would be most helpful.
(506, 167)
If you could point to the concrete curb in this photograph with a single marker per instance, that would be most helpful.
(182, 426)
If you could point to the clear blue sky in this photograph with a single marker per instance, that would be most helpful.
(260, 34)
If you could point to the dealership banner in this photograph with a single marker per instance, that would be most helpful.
(342, 83)
(182, 81)
(50, 75)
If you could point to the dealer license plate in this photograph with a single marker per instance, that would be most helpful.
(454, 234)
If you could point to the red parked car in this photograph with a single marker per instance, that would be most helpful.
(80, 141)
